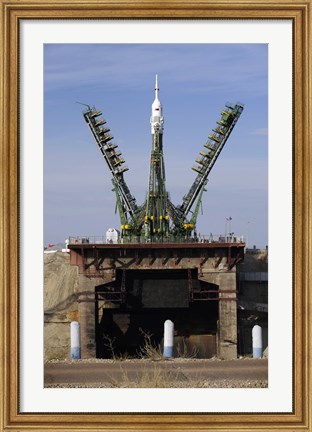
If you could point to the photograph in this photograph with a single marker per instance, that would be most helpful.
(156, 222)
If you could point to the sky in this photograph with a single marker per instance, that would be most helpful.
(195, 81)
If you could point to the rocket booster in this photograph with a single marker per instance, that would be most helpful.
(157, 119)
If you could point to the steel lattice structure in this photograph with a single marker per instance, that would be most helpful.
(158, 218)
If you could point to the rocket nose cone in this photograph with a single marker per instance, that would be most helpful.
(156, 104)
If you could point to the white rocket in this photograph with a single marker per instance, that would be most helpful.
(157, 119)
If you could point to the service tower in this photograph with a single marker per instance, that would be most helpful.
(158, 219)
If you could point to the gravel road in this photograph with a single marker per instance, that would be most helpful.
(191, 373)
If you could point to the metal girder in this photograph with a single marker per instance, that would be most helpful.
(115, 163)
(230, 115)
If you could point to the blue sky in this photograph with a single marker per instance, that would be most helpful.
(195, 81)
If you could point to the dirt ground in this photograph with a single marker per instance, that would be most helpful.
(171, 373)
(60, 304)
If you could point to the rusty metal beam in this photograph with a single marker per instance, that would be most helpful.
(123, 246)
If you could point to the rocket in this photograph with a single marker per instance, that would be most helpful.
(157, 119)
(156, 216)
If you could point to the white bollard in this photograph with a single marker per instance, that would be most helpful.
(257, 342)
(168, 338)
(75, 349)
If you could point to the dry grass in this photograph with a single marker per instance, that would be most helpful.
(110, 344)
(155, 377)
(184, 352)
(148, 350)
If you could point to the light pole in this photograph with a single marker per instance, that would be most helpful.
(228, 221)
(247, 234)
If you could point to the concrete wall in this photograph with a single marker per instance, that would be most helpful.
(61, 286)
(74, 295)
(253, 299)
(227, 326)
(220, 276)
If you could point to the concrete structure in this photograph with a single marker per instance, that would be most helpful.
(127, 288)
(252, 299)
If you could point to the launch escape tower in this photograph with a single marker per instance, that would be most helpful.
(158, 219)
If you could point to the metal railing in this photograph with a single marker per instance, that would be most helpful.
(136, 240)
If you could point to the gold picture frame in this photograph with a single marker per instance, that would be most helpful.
(12, 12)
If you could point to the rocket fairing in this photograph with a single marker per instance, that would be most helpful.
(157, 119)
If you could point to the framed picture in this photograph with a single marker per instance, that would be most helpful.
(35, 36)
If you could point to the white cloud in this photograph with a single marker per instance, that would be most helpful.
(198, 67)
